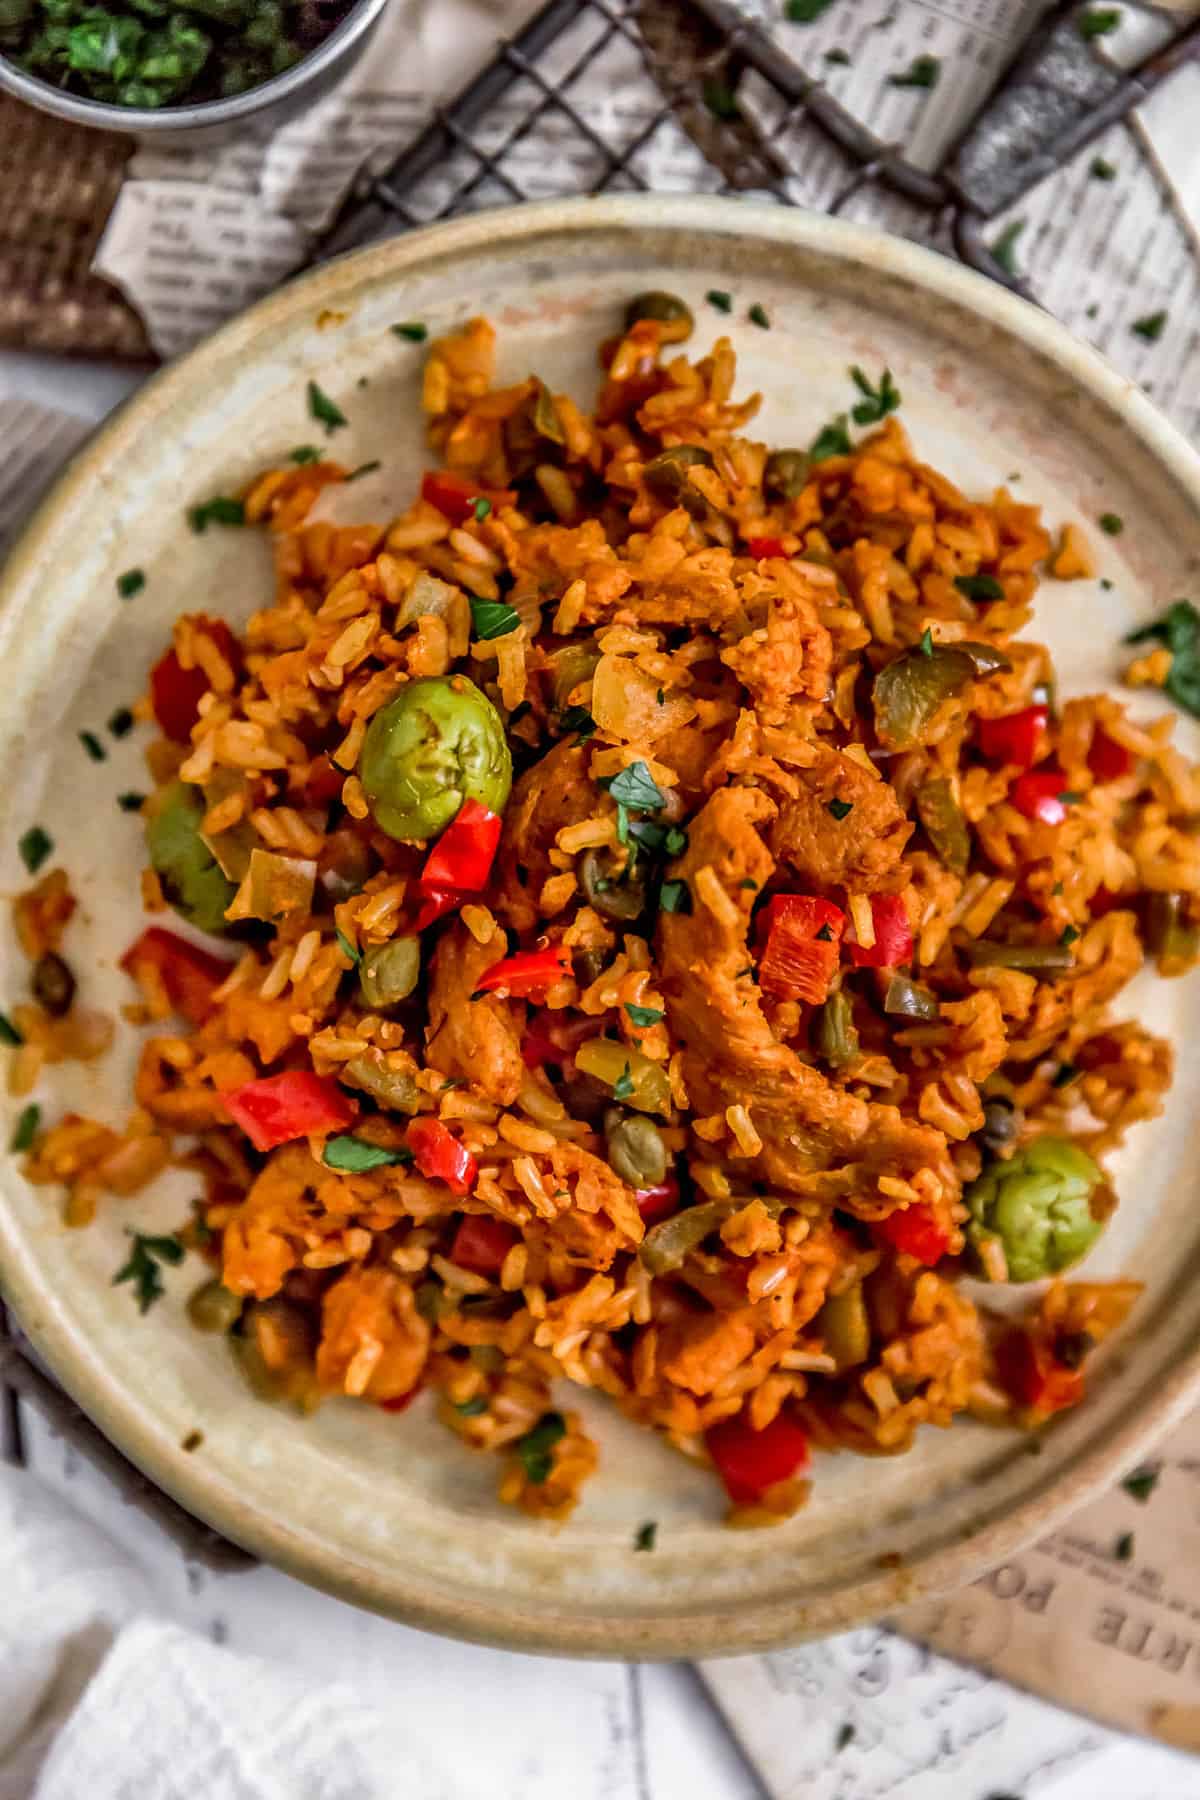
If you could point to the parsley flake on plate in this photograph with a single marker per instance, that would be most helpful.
(922, 72)
(720, 299)
(8, 1032)
(304, 453)
(877, 402)
(1142, 1482)
(646, 1535)
(1179, 630)
(35, 845)
(131, 802)
(220, 510)
(93, 746)
(121, 722)
(324, 411)
(412, 330)
(1099, 21)
(536, 1448)
(758, 316)
(1151, 327)
(26, 1128)
(1112, 524)
(130, 583)
(144, 1268)
(832, 440)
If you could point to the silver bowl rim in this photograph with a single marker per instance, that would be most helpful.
(132, 120)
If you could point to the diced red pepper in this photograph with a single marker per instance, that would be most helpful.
(1107, 759)
(750, 1462)
(802, 936)
(893, 935)
(528, 972)
(1032, 1374)
(435, 905)
(190, 976)
(462, 858)
(440, 1156)
(1013, 739)
(176, 692)
(1039, 796)
(1105, 901)
(455, 496)
(401, 1402)
(552, 1037)
(768, 546)
(660, 1201)
(323, 782)
(915, 1231)
(295, 1104)
(481, 1243)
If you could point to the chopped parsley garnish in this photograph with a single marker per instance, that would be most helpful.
(220, 510)
(355, 1156)
(832, 440)
(481, 506)
(825, 935)
(1151, 327)
(1004, 250)
(121, 722)
(646, 1535)
(922, 72)
(1179, 630)
(130, 583)
(1112, 523)
(805, 12)
(323, 410)
(536, 1447)
(841, 809)
(720, 299)
(471, 1409)
(412, 329)
(877, 402)
(838, 58)
(304, 453)
(845, 1736)
(636, 788)
(752, 885)
(1092, 311)
(1124, 1547)
(661, 697)
(758, 316)
(1106, 584)
(925, 643)
(1070, 797)
(979, 587)
(144, 1267)
(367, 468)
(675, 897)
(1139, 1486)
(347, 948)
(622, 824)
(492, 618)
(579, 720)
(644, 1015)
(131, 802)
(1099, 21)
(35, 846)
(623, 1085)
(8, 1032)
(1064, 1075)
(26, 1129)
(93, 746)
(1068, 935)
(1100, 169)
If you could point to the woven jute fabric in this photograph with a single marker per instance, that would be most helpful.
(59, 183)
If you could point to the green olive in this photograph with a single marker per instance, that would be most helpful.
(1045, 1207)
(389, 972)
(615, 891)
(213, 1308)
(438, 743)
(665, 309)
(845, 1327)
(785, 474)
(665, 476)
(189, 874)
(635, 1148)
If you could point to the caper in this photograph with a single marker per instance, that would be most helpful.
(785, 474)
(615, 892)
(665, 476)
(388, 973)
(214, 1308)
(1002, 1122)
(53, 984)
(665, 309)
(635, 1148)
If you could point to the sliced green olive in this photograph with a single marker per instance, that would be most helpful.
(631, 1077)
(388, 973)
(665, 309)
(214, 1308)
(945, 826)
(1169, 938)
(1037, 959)
(635, 1148)
(53, 984)
(393, 1089)
(615, 891)
(785, 474)
(569, 667)
(845, 1327)
(665, 476)
(837, 1040)
(909, 692)
(668, 1244)
(909, 1000)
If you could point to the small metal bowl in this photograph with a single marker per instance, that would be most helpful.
(213, 120)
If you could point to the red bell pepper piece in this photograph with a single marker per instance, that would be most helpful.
(893, 935)
(552, 1037)
(1107, 759)
(915, 1231)
(528, 972)
(455, 496)
(1104, 901)
(323, 782)
(462, 858)
(1039, 796)
(190, 976)
(435, 905)
(176, 692)
(766, 546)
(803, 937)
(295, 1104)
(749, 1462)
(481, 1243)
(1032, 1374)
(1013, 739)
(660, 1201)
(440, 1156)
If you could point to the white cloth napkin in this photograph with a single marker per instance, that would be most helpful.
(99, 1701)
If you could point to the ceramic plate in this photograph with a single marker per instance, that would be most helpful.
(391, 1512)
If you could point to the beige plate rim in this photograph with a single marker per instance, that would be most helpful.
(131, 1426)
